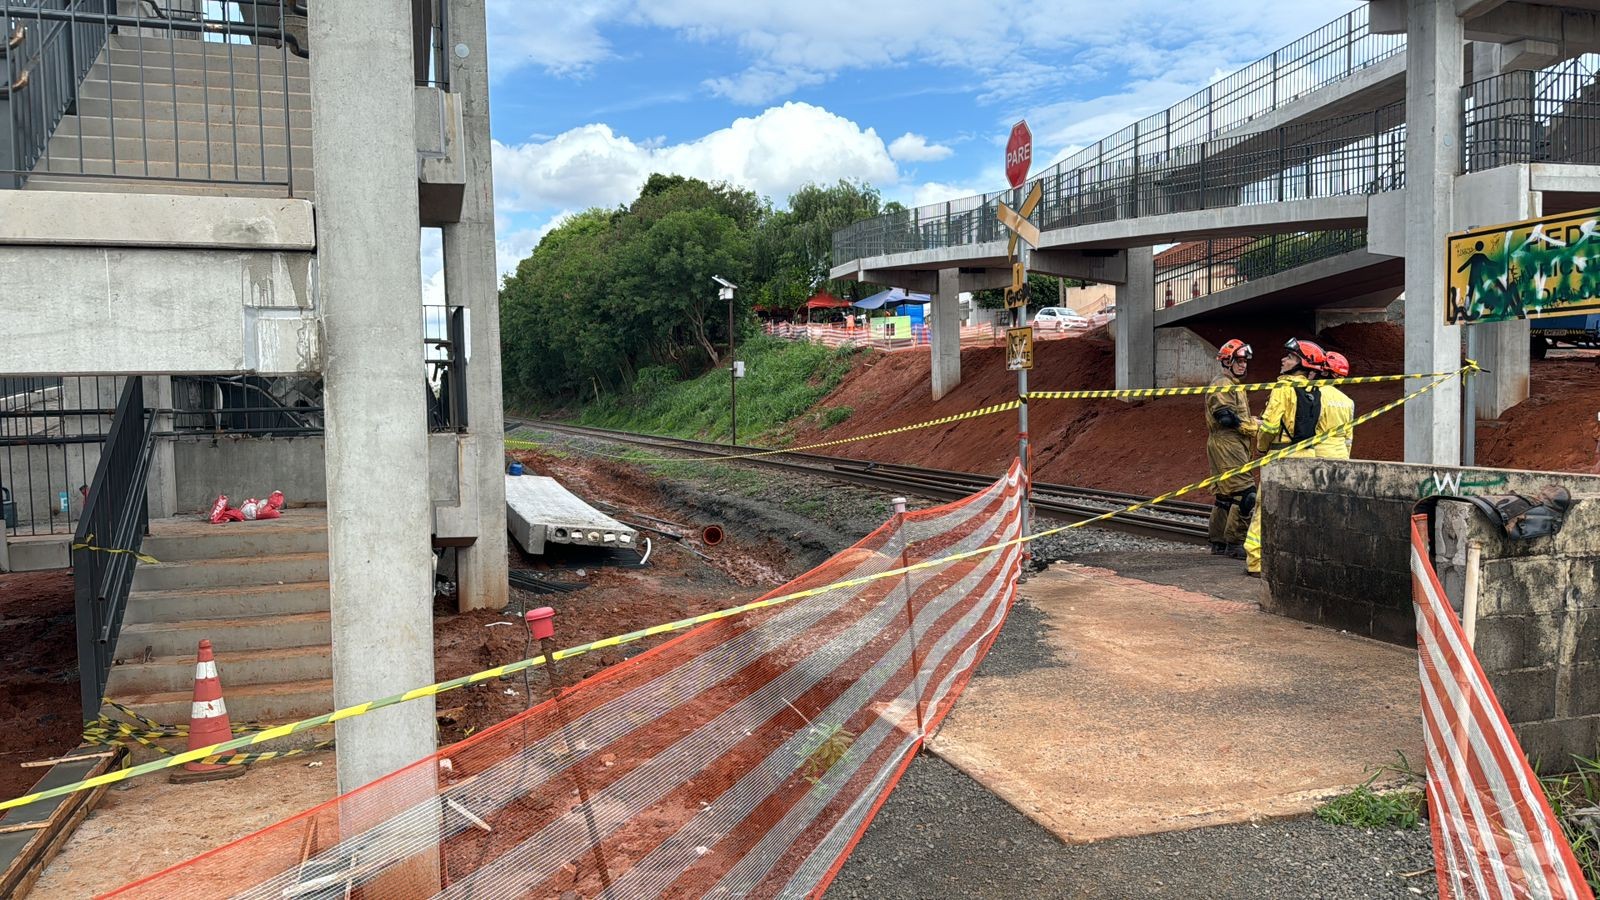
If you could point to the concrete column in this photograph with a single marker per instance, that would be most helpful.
(1433, 152)
(1135, 323)
(944, 337)
(1503, 347)
(470, 281)
(379, 559)
(161, 485)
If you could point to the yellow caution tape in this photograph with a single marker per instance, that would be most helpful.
(931, 423)
(215, 752)
(1147, 393)
(88, 544)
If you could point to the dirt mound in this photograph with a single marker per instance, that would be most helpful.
(39, 703)
(1152, 446)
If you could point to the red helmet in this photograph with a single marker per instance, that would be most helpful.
(1234, 349)
(1338, 366)
(1310, 354)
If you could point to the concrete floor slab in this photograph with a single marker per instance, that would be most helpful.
(540, 511)
(1164, 709)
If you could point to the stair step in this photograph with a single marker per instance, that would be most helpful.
(236, 669)
(226, 635)
(276, 702)
(138, 168)
(217, 94)
(222, 156)
(202, 540)
(287, 568)
(149, 607)
(217, 112)
(45, 181)
(157, 69)
(133, 127)
(122, 43)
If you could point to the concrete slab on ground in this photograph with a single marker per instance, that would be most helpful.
(147, 824)
(539, 510)
(1153, 708)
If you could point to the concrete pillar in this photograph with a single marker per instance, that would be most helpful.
(379, 558)
(1433, 152)
(944, 336)
(470, 281)
(1503, 347)
(161, 485)
(1135, 323)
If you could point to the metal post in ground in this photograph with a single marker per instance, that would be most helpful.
(1469, 403)
(542, 626)
(1021, 313)
(911, 616)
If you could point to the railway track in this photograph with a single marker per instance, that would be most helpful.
(1173, 520)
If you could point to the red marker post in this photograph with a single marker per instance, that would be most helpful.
(542, 627)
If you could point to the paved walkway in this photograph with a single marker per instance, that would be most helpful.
(1143, 708)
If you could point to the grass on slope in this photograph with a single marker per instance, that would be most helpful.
(783, 380)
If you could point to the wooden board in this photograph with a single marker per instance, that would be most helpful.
(26, 852)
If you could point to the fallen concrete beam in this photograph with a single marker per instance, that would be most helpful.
(540, 511)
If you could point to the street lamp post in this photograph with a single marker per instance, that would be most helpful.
(725, 292)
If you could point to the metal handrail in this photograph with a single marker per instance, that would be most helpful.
(53, 59)
(116, 517)
(1229, 262)
(1328, 54)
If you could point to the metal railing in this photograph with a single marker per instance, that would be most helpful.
(165, 94)
(115, 520)
(430, 50)
(1230, 261)
(1357, 154)
(238, 405)
(1105, 169)
(1552, 115)
(44, 61)
(445, 343)
(51, 432)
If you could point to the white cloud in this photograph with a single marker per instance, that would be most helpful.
(558, 36)
(930, 192)
(772, 153)
(910, 147)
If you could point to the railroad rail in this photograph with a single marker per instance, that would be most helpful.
(1175, 520)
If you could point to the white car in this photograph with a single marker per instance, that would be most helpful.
(1060, 317)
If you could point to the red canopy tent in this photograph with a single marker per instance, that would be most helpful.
(824, 300)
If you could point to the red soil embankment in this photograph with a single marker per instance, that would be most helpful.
(1152, 446)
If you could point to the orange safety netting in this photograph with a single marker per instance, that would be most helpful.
(743, 758)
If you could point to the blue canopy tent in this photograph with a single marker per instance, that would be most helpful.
(897, 297)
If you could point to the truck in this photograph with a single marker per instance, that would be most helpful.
(1571, 331)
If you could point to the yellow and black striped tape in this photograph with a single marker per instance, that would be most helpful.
(931, 423)
(1148, 393)
(104, 738)
(88, 544)
(217, 751)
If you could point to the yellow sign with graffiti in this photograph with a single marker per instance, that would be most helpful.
(1541, 267)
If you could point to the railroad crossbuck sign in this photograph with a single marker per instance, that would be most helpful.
(1016, 221)
(1539, 267)
(1019, 348)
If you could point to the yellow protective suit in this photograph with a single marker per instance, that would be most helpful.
(1337, 409)
(1229, 447)
(1277, 424)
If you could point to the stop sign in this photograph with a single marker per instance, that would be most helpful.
(1019, 153)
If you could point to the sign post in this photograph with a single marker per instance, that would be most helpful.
(1019, 336)
(1519, 270)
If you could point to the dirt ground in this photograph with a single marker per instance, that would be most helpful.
(38, 674)
(1145, 447)
(615, 599)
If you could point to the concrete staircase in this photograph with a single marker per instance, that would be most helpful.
(209, 112)
(258, 591)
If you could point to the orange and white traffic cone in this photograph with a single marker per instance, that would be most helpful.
(208, 721)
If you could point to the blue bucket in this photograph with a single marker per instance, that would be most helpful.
(515, 469)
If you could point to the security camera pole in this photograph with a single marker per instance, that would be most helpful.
(725, 292)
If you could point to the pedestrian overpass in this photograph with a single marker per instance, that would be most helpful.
(1305, 154)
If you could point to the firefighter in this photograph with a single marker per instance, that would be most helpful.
(1337, 410)
(1230, 436)
(1293, 410)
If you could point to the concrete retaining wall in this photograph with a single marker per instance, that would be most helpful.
(244, 467)
(1184, 359)
(1336, 545)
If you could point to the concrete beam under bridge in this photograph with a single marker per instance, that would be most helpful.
(931, 282)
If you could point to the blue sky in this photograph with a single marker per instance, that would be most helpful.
(590, 96)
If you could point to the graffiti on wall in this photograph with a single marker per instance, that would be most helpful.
(1538, 267)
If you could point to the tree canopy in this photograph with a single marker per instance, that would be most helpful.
(610, 292)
